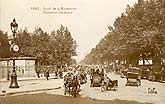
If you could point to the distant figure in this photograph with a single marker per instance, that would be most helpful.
(130, 65)
(56, 72)
(97, 71)
(107, 79)
(38, 72)
(102, 72)
(75, 82)
(60, 73)
(47, 74)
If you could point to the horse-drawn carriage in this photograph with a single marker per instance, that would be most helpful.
(71, 85)
(133, 77)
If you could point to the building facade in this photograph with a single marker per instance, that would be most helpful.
(25, 67)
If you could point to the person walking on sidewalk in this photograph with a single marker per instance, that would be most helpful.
(38, 72)
(47, 74)
(56, 73)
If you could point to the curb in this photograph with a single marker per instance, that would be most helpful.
(19, 92)
(43, 78)
(22, 79)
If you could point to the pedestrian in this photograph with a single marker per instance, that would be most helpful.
(37, 70)
(38, 73)
(56, 73)
(75, 83)
(97, 72)
(107, 79)
(60, 73)
(102, 74)
(47, 74)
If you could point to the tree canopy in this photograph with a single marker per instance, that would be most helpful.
(137, 33)
(4, 45)
(56, 48)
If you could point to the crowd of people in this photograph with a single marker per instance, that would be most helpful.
(74, 76)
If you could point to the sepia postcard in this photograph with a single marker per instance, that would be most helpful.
(82, 51)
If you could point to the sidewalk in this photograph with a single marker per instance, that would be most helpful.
(28, 78)
(30, 85)
(23, 79)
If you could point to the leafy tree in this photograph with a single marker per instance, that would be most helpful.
(24, 42)
(137, 33)
(56, 48)
(4, 45)
(65, 45)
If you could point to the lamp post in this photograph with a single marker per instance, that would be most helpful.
(14, 48)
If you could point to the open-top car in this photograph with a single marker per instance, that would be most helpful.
(109, 85)
(133, 77)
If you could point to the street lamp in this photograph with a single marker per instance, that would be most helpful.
(14, 48)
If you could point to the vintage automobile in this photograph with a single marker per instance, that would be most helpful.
(155, 76)
(133, 77)
(145, 72)
(108, 86)
(96, 79)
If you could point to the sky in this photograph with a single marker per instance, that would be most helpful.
(87, 20)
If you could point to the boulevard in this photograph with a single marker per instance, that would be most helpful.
(124, 94)
(82, 52)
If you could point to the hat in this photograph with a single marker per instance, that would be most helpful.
(14, 20)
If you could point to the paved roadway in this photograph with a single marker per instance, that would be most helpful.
(124, 94)
(134, 93)
(131, 93)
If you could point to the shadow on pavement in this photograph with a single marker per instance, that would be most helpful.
(44, 98)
